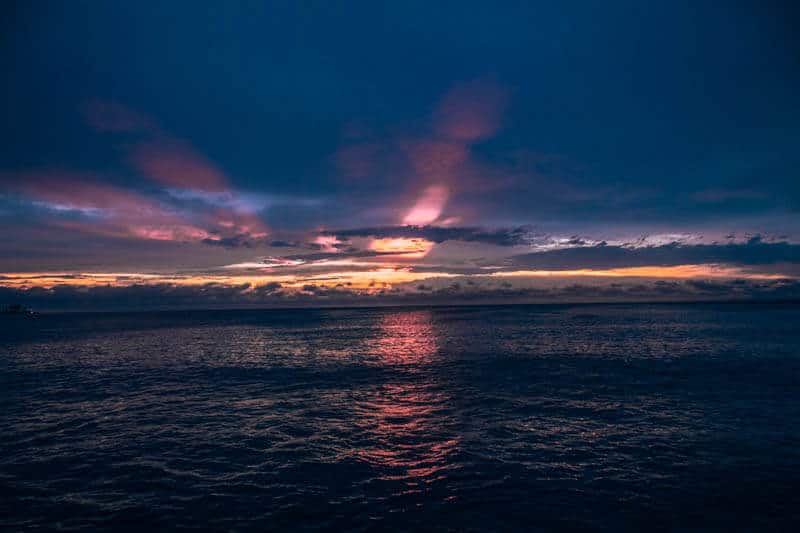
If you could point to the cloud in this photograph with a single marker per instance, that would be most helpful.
(428, 207)
(141, 296)
(284, 244)
(166, 295)
(86, 203)
(240, 224)
(752, 253)
(235, 241)
(160, 156)
(404, 247)
(196, 203)
(499, 237)
(93, 206)
(471, 111)
(174, 163)
(185, 173)
(436, 163)
(324, 258)
(436, 160)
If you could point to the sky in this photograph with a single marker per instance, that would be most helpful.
(201, 154)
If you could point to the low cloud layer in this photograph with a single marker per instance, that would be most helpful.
(459, 290)
(755, 252)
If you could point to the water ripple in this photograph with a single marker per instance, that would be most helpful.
(610, 417)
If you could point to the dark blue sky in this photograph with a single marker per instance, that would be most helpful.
(605, 120)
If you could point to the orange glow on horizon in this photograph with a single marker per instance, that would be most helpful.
(370, 276)
(367, 280)
(675, 272)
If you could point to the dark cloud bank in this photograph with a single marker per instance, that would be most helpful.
(580, 253)
(500, 237)
(755, 252)
(475, 287)
(456, 291)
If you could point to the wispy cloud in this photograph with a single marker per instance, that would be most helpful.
(201, 204)
(431, 167)
(175, 163)
(107, 209)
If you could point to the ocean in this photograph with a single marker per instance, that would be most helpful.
(560, 417)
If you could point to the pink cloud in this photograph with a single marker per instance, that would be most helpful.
(159, 156)
(434, 160)
(231, 223)
(175, 163)
(438, 164)
(170, 233)
(78, 191)
(118, 212)
(471, 111)
(327, 243)
(428, 207)
(114, 211)
(133, 229)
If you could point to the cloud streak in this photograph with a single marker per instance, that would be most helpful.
(93, 206)
(752, 253)
(196, 202)
(174, 163)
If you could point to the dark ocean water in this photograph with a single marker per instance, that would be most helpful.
(657, 417)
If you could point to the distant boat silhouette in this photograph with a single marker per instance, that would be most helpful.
(17, 310)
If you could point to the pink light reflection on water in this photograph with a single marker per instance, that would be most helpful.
(407, 421)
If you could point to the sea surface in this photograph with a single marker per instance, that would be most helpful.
(596, 417)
